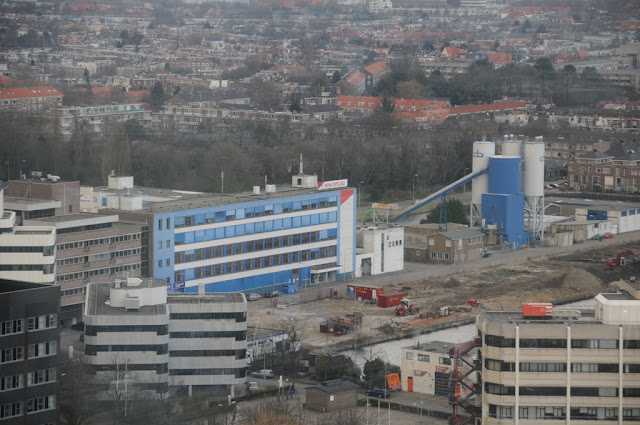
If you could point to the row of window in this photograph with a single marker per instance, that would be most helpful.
(560, 413)
(159, 368)
(253, 246)
(236, 373)
(41, 403)
(72, 292)
(33, 350)
(92, 350)
(255, 228)
(45, 250)
(93, 330)
(500, 341)
(255, 263)
(98, 257)
(501, 366)
(10, 410)
(251, 212)
(44, 268)
(237, 354)
(41, 376)
(238, 317)
(99, 241)
(238, 335)
(439, 255)
(427, 358)
(97, 272)
(498, 389)
(46, 321)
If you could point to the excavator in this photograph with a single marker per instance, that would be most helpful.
(619, 259)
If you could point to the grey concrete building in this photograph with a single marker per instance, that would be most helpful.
(190, 343)
(29, 341)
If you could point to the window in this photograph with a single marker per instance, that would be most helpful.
(423, 357)
(445, 360)
(41, 376)
(159, 224)
(11, 327)
(41, 403)
(11, 354)
(159, 263)
(11, 409)
(168, 223)
(160, 245)
(41, 349)
(41, 322)
(10, 382)
(409, 355)
(168, 262)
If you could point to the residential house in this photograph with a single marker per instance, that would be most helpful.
(30, 99)
(455, 246)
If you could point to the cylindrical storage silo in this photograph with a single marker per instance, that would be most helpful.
(511, 147)
(533, 174)
(481, 153)
(504, 175)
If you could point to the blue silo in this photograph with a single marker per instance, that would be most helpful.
(504, 175)
(503, 206)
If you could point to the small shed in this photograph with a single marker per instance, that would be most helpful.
(416, 253)
(332, 395)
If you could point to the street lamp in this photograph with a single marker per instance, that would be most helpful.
(415, 176)
(359, 183)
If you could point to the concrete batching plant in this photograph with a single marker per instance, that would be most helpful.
(506, 190)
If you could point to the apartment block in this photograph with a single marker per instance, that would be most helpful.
(29, 345)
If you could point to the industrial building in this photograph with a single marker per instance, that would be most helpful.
(27, 253)
(29, 345)
(564, 366)
(380, 249)
(191, 343)
(300, 234)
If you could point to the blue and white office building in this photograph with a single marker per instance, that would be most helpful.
(253, 241)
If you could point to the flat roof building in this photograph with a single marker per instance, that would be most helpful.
(192, 343)
(29, 345)
(576, 366)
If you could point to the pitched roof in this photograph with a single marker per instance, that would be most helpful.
(355, 78)
(376, 68)
(18, 93)
(620, 151)
(334, 386)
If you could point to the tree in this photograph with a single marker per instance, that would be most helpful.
(335, 366)
(375, 372)
(336, 76)
(75, 393)
(157, 95)
(410, 90)
(456, 213)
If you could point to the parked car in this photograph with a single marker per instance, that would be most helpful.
(378, 392)
(598, 237)
(608, 235)
(263, 373)
(272, 294)
(253, 297)
(554, 185)
(486, 254)
(252, 387)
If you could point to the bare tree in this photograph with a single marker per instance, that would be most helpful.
(346, 417)
(76, 394)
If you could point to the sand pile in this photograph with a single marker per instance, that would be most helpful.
(581, 279)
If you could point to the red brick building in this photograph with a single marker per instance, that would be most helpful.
(30, 98)
(617, 169)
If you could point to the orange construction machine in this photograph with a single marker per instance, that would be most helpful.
(406, 308)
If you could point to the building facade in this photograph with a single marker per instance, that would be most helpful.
(617, 169)
(91, 248)
(426, 368)
(456, 246)
(575, 367)
(30, 98)
(193, 343)
(247, 241)
(29, 344)
(27, 253)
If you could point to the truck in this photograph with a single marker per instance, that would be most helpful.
(406, 308)
(537, 310)
(390, 300)
(365, 291)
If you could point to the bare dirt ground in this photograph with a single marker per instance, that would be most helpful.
(561, 278)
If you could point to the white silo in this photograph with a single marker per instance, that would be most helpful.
(511, 146)
(482, 151)
(533, 186)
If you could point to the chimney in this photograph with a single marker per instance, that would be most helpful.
(301, 166)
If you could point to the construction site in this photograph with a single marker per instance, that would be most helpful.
(349, 319)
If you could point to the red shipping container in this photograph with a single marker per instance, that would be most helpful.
(537, 310)
(366, 292)
(390, 300)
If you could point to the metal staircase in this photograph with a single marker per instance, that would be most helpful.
(462, 388)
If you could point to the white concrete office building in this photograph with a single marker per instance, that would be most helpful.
(190, 343)
(27, 253)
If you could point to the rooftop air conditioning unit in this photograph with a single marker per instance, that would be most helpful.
(132, 303)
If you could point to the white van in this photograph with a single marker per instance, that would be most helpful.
(263, 373)
(253, 297)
